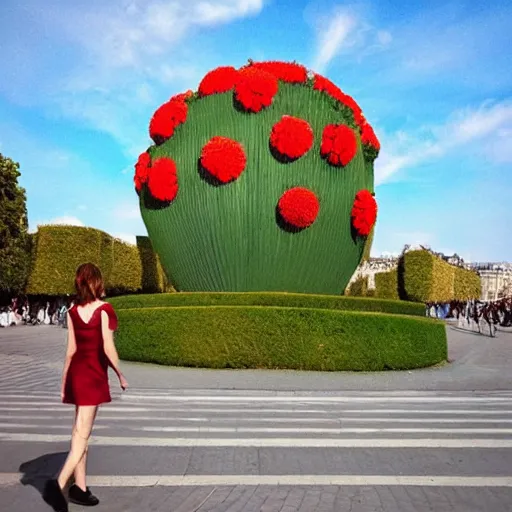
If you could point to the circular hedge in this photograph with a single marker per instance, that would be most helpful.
(263, 336)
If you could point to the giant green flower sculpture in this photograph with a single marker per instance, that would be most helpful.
(262, 180)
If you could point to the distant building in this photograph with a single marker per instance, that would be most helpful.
(374, 266)
(496, 279)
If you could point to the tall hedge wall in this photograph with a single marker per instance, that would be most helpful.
(59, 250)
(359, 287)
(386, 285)
(467, 284)
(427, 278)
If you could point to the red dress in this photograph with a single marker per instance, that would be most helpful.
(87, 377)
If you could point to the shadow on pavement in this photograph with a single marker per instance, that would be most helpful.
(470, 333)
(37, 471)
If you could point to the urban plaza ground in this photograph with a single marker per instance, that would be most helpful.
(436, 439)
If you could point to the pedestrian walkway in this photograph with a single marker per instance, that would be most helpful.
(176, 442)
(210, 450)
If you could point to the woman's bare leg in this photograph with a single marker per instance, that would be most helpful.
(84, 421)
(81, 468)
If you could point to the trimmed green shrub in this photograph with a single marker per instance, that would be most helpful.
(467, 284)
(443, 275)
(386, 285)
(295, 300)
(417, 275)
(276, 337)
(153, 277)
(359, 287)
(126, 272)
(427, 278)
(59, 250)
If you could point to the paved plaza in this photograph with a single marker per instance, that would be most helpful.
(192, 440)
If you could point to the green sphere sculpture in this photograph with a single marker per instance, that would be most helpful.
(262, 180)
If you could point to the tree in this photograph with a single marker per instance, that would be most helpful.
(14, 237)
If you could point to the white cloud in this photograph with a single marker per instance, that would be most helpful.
(110, 64)
(126, 237)
(344, 30)
(331, 39)
(487, 128)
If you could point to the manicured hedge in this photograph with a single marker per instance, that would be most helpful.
(59, 250)
(443, 275)
(428, 278)
(386, 285)
(276, 337)
(417, 270)
(295, 300)
(359, 287)
(467, 284)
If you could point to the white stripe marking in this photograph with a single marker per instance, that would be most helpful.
(278, 480)
(34, 425)
(319, 399)
(220, 410)
(333, 431)
(304, 420)
(269, 442)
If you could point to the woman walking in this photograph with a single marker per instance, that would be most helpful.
(90, 351)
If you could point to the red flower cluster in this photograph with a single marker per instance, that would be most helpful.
(163, 179)
(368, 136)
(299, 207)
(183, 96)
(339, 144)
(291, 137)
(255, 88)
(218, 80)
(142, 168)
(286, 71)
(320, 83)
(364, 212)
(166, 119)
(223, 158)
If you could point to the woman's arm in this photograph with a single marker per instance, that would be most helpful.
(110, 349)
(70, 351)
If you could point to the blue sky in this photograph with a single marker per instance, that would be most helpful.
(79, 81)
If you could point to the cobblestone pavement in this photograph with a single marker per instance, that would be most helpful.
(254, 448)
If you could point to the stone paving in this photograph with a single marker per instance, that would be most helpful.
(198, 440)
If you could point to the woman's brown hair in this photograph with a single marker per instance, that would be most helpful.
(88, 283)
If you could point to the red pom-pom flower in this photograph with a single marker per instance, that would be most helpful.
(223, 158)
(339, 144)
(299, 207)
(320, 83)
(255, 89)
(182, 96)
(364, 212)
(166, 119)
(368, 137)
(289, 72)
(218, 80)
(142, 170)
(291, 137)
(163, 179)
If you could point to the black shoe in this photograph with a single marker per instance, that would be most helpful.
(84, 498)
(54, 497)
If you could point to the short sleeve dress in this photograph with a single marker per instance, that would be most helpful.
(87, 377)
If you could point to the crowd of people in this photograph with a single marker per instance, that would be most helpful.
(23, 312)
(484, 317)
